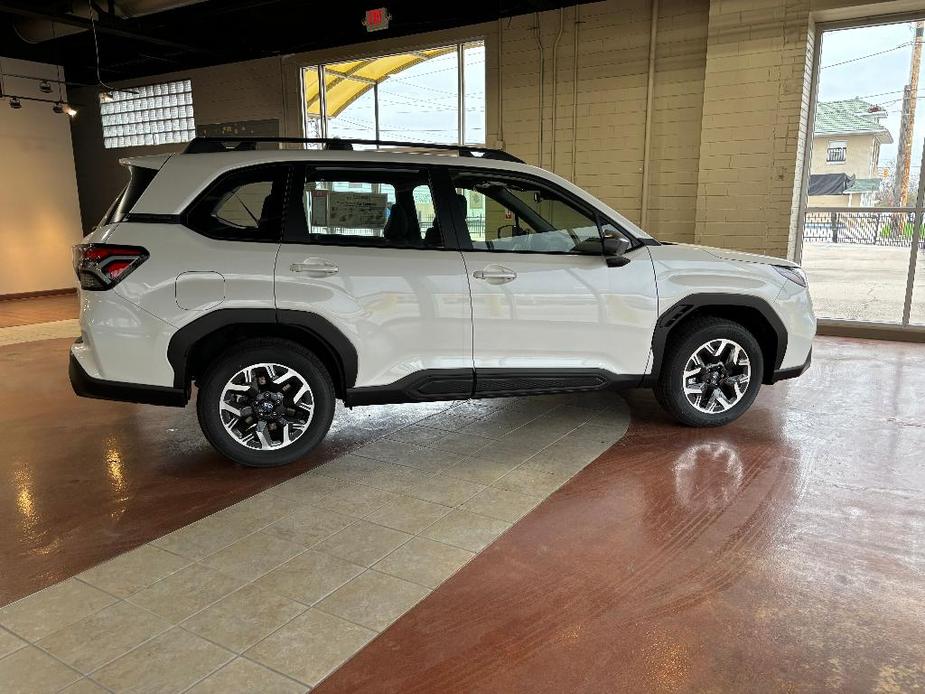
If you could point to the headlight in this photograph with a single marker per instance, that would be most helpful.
(794, 274)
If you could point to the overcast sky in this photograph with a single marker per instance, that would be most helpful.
(850, 69)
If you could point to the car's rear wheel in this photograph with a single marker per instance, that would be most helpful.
(711, 372)
(265, 403)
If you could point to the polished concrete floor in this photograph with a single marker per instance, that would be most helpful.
(783, 552)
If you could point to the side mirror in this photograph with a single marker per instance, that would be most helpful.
(615, 248)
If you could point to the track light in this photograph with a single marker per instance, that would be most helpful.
(61, 107)
(45, 87)
(57, 106)
(105, 96)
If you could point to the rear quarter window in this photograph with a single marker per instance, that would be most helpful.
(242, 205)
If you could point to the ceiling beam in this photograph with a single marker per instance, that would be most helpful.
(101, 27)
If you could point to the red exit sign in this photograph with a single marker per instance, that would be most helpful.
(377, 19)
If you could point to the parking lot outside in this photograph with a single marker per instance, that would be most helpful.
(861, 282)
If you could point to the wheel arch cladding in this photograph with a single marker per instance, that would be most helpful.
(753, 313)
(195, 345)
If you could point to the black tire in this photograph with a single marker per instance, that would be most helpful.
(276, 351)
(669, 391)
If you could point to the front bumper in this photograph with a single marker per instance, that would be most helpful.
(87, 386)
(793, 372)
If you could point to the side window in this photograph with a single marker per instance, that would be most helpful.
(243, 205)
(371, 209)
(514, 215)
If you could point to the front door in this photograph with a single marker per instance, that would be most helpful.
(548, 313)
(371, 259)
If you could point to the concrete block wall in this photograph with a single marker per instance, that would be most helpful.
(599, 144)
(756, 98)
(731, 105)
(680, 62)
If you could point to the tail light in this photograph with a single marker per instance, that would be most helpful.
(101, 266)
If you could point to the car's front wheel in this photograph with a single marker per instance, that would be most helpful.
(265, 403)
(711, 372)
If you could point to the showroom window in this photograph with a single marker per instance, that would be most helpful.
(431, 95)
(155, 114)
(861, 236)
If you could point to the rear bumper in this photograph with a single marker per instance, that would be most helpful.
(784, 374)
(87, 386)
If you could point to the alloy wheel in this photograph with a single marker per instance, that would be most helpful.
(716, 376)
(266, 406)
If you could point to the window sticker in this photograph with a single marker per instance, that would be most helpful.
(355, 210)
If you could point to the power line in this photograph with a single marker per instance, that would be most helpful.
(865, 57)
(897, 101)
(871, 96)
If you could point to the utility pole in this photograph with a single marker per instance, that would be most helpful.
(907, 124)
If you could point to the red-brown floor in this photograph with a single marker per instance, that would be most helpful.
(37, 309)
(783, 553)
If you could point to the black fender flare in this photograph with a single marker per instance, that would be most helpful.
(322, 330)
(679, 310)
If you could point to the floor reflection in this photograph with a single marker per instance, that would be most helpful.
(707, 474)
(780, 553)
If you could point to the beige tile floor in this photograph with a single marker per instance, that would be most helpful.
(39, 331)
(274, 593)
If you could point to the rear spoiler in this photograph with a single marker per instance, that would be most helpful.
(148, 161)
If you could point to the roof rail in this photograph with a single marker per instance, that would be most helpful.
(202, 145)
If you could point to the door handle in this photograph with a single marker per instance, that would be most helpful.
(318, 268)
(497, 275)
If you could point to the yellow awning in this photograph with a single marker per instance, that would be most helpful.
(346, 82)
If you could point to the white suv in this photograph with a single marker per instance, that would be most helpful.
(279, 280)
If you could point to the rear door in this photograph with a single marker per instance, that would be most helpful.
(369, 256)
(548, 312)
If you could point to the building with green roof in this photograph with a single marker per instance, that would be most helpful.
(847, 135)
